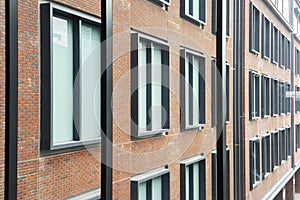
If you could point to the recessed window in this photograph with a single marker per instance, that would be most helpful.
(282, 98)
(297, 130)
(70, 59)
(282, 146)
(214, 174)
(255, 94)
(266, 156)
(297, 99)
(255, 29)
(214, 17)
(266, 96)
(193, 178)
(151, 185)
(288, 98)
(288, 56)
(192, 69)
(149, 86)
(266, 38)
(297, 61)
(194, 10)
(282, 51)
(275, 97)
(275, 152)
(275, 45)
(254, 162)
(288, 141)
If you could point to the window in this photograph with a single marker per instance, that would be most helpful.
(297, 99)
(192, 69)
(297, 62)
(265, 96)
(282, 51)
(275, 97)
(254, 97)
(288, 98)
(194, 10)
(275, 152)
(70, 59)
(288, 56)
(288, 141)
(282, 146)
(275, 45)
(193, 178)
(282, 98)
(255, 29)
(153, 185)
(254, 162)
(214, 17)
(214, 174)
(266, 156)
(297, 130)
(214, 92)
(266, 38)
(149, 86)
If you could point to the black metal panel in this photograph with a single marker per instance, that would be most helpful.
(134, 190)
(149, 87)
(11, 98)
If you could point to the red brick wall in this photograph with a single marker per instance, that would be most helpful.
(2, 96)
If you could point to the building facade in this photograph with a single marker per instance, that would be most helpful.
(164, 101)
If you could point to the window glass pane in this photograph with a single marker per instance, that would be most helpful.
(187, 182)
(157, 188)
(143, 191)
(156, 89)
(257, 94)
(187, 89)
(62, 80)
(142, 89)
(196, 91)
(90, 82)
(196, 8)
(196, 181)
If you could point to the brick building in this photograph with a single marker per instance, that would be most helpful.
(164, 99)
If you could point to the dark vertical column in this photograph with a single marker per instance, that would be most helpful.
(11, 98)
(238, 101)
(221, 108)
(106, 100)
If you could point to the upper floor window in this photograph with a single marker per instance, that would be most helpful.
(297, 131)
(275, 151)
(214, 17)
(266, 156)
(288, 98)
(275, 45)
(288, 55)
(192, 70)
(266, 96)
(282, 146)
(266, 38)
(255, 94)
(149, 86)
(193, 178)
(297, 60)
(153, 185)
(297, 99)
(254, 162)
(194, 10)
(275, 97)
(70, 73)
(254, 29)
(282, 51)
(288, 142)
(282, 98)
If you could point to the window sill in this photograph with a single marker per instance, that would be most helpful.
(255, 118)
(275, 115)
(194, 127)
(267, 116)
(267, 175)
(193, 20)
(282, 114)
(164, 4)
(255, 184)
(150, 134)
(71, 144)
(275, 168)
(255, 52)
(274, 62)
(266, 58)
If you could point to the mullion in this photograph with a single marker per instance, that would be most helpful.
(149, 190)
(148, 86)
(191, 182)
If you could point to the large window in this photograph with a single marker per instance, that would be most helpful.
(153, 185)
(254, 162)
(193, 178)
(275, 97)
(282, 146)
(149, 86)
(255, 94)
(194, 10)
(70, 73)
(192, 69)
(275, 45)
(214, 17)
(266, 156)
(275, 151)
(288, 142)
(282, 98)
(266, 38)
(266, 96)
(214, 174)
(254, 29)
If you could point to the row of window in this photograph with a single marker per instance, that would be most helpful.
(269, 37)
(274, 149)
(156, 183)
(274, 96)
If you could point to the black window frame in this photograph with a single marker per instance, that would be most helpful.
(136, 37)
(47, 12)
(288, 55)
(202, 12)
(214, 18)
(288, 98)
(282, 51)
(275, 97)
(184, 53)
(266, 155)
(254, 170)
(254, 35)
(282, 100)
(147, 177)
(275, 44)
(266, 96)
(275, 150)
(254, 99)
(202, 177)
(288, 142)
(282, 146)
(266, 38)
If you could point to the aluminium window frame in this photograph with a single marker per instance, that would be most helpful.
(254, 141)
(254, 105)
(252, 37)
(275, 106)
(47, 12)
(275, 136)
(184, 14)
(136, 37)
(288, 142)
(275, 56)
(282, 146)
(264, 96)
(288, 99)
(202, 174)
(282, 51)
(264, 20)
(214, 18)
(282, 99)
(297, 137)
(266, 157)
